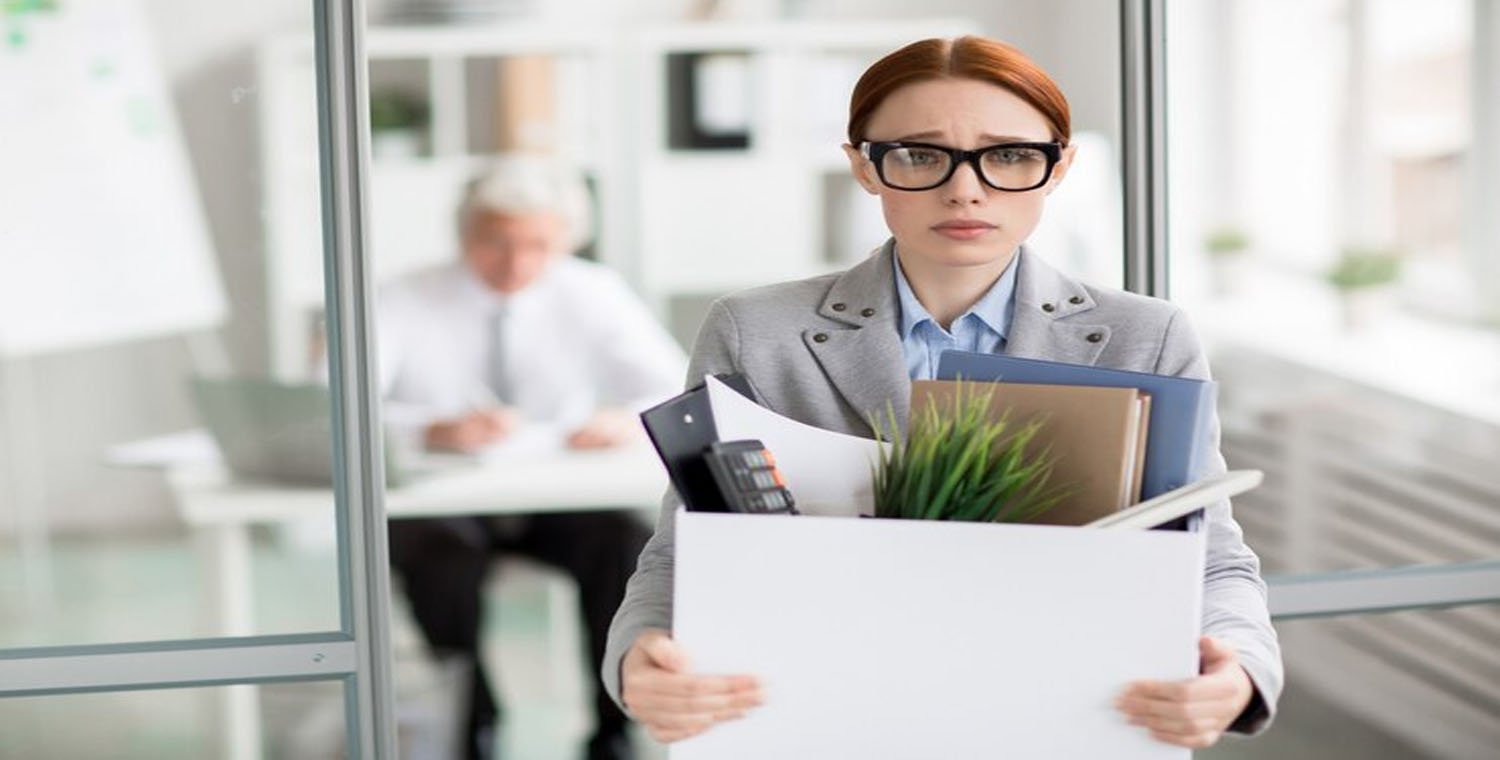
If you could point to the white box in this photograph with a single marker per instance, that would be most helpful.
(911, 639)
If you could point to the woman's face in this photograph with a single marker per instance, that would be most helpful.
(963, 222)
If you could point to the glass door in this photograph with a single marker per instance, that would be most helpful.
(1326, 170)
(179, 523)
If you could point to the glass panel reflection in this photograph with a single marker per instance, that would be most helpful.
(1416, 684)
(1322, 240)
(300, 720)
(133, 404)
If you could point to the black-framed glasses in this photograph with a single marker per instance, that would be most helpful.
(1012, 167)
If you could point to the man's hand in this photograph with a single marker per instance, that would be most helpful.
(671, 702)
(607, 428)
(1192, 713)
(472, 431)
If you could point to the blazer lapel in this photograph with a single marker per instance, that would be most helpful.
(864, 360)
(1050, 321)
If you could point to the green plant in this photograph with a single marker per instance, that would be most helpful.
(1365, 268)
(1226, 241)
(957, 463)
(395, 109)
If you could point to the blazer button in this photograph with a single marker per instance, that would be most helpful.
(1048, 307)
(1075, 300)
(820, 338)
(839, 307)
(867, 312)
(1095, 337)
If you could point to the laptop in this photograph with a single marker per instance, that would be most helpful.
(273, 431)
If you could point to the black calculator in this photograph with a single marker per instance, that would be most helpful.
(748, 479)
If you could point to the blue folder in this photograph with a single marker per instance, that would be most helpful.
(1181, 408)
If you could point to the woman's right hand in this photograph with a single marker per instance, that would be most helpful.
(672, 703)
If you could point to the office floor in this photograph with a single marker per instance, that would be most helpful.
(126, 588)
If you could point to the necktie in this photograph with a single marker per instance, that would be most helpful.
(496, 374)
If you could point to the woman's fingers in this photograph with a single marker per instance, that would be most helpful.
(674, 704)
(668, 736)
(1191, 741)
(668, 700)
(660, 695)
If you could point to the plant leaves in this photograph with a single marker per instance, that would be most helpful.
(958, 462)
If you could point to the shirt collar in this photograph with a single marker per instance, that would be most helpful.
(483, 297)
(994, 308)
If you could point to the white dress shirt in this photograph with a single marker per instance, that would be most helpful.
(574, 341)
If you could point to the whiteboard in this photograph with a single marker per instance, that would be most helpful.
(102, 235)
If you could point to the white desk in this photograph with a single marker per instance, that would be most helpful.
(221, 511)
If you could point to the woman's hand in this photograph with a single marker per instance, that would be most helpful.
(1192, 713)
(672, 703)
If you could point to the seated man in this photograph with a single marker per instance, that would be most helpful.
(516, 333)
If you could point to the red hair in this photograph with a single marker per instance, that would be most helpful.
(966, 57)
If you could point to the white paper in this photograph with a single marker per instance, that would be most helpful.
(904, 639)
(828, 473)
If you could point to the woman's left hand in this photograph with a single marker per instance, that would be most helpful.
(1195, 712)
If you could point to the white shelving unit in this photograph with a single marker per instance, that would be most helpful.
(782, 207)
(413, 198)
(682, 223)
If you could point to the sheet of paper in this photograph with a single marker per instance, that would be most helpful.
(901, 639)
(828, 473)
(189, 447)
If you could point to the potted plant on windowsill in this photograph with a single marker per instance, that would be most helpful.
(1365, 278)
(958, 463)
(1228, 251)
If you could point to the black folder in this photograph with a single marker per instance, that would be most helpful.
(681, 428)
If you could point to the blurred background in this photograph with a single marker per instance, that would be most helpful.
(1332, 170)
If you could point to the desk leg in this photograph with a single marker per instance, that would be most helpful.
(227, 607)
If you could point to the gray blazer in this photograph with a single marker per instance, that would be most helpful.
(826, 350)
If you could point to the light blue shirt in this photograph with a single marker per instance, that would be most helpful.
(982, 328)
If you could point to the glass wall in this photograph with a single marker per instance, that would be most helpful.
(1392, 686)
(1323, 238)
(169, 511)
(139, 426)
(1331, 237)
(303, 721)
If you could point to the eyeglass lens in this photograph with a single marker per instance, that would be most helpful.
(1008, 168)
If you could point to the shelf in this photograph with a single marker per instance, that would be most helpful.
(768, 202)
(804, 35)
(484, 39)
(458, 41)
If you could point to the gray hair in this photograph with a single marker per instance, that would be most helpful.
(519, 183)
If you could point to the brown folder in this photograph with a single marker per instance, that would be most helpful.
(1097, 435)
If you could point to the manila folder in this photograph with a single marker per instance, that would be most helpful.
(1094, 433)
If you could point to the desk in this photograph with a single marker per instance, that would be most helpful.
(220, 511)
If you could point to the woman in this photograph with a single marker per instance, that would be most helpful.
(962, 141)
